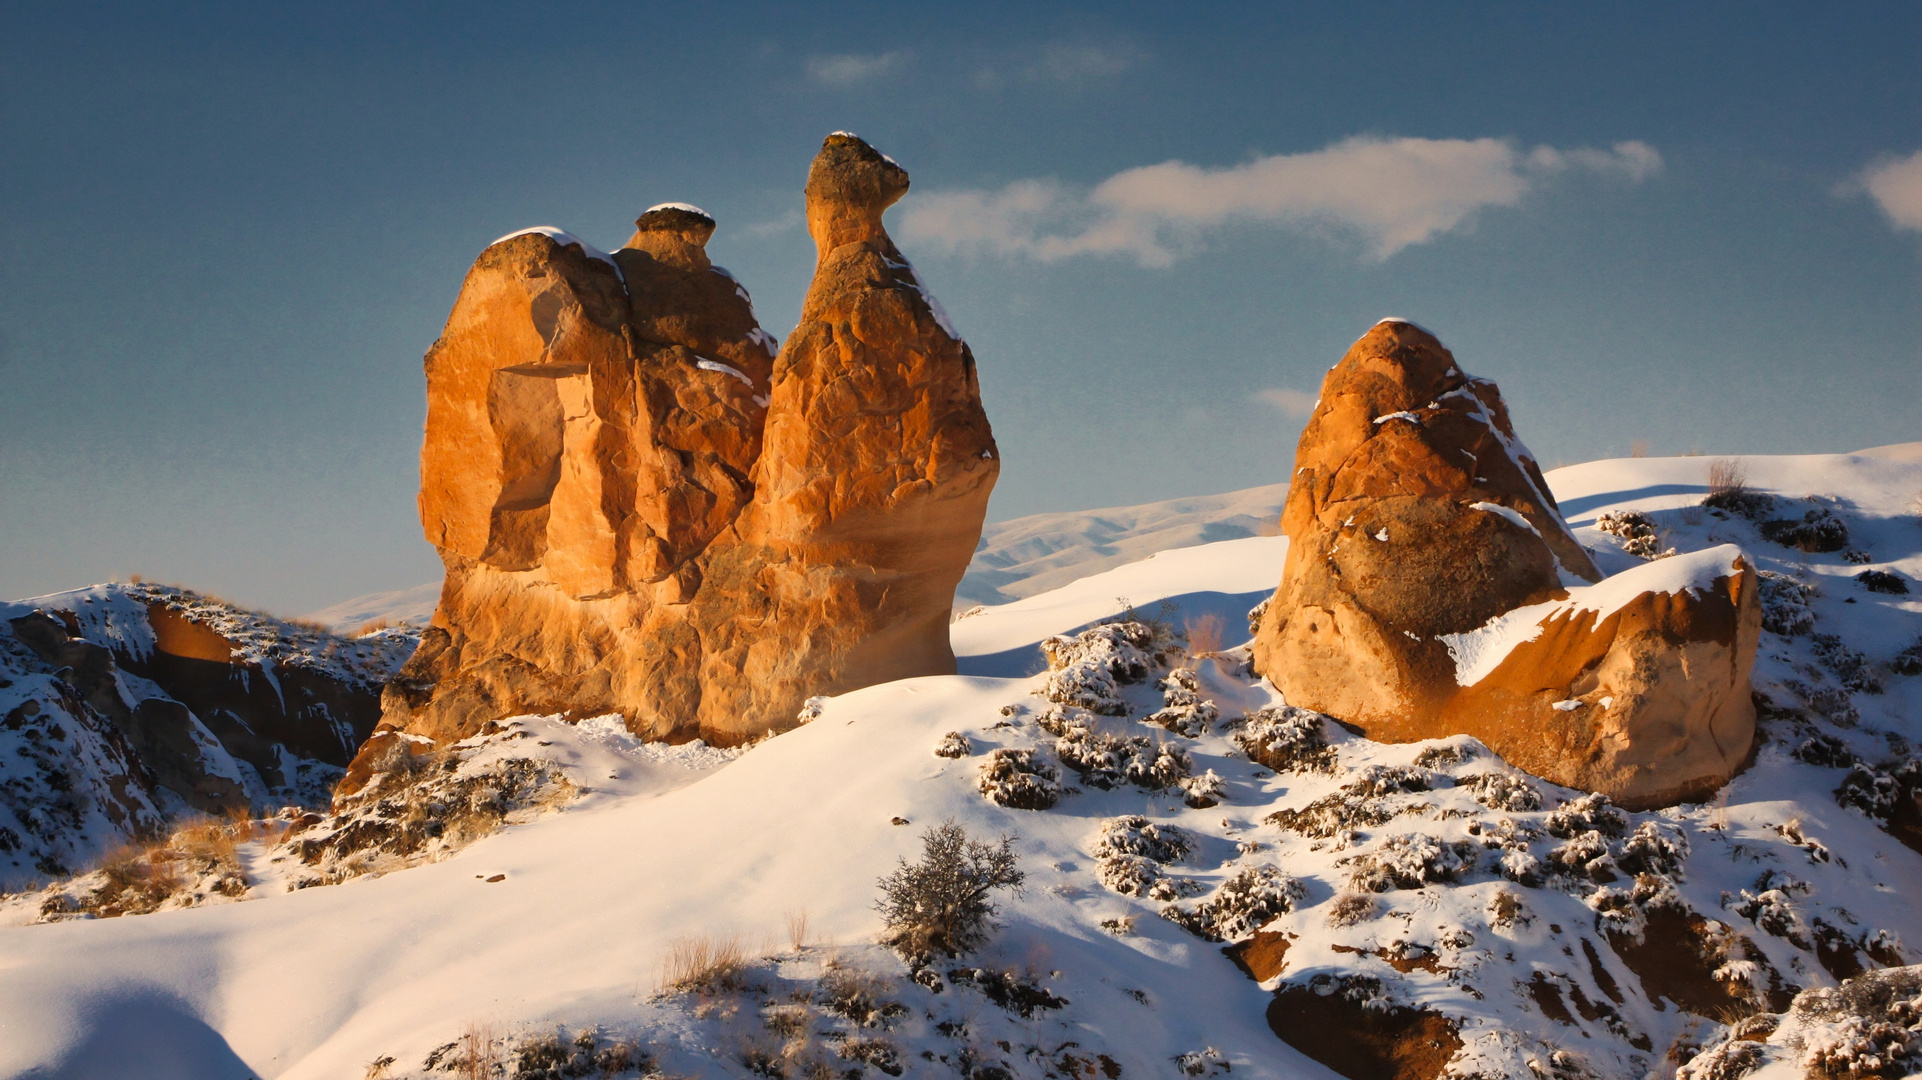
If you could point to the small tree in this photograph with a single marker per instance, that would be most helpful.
(941, 904)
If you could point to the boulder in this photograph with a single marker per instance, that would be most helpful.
(643, 510)
(1417, 518)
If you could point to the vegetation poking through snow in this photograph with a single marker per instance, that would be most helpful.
(1249, 900)
(953, 745)
(1636, 532)
(420, 807)
(1130, 851)
(944, 903)
(1287, 740)
(1013, 778)
(1186, 712)
(1087, 670)
(1785, 604)
(1818, 531)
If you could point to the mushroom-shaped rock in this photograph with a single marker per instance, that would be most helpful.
(1416, 516)
(873, 480)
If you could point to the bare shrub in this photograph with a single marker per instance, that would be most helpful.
(797, 929)
(1726, 475)
(701, 962)
(1350, 908)
(944, 902)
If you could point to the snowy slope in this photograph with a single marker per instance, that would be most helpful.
(323, 981)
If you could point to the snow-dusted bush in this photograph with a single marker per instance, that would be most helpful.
(1136, 835)
(1654, 849)
(1584, 855)
(1409, 861)
(1583, 813)
(1287, 739)
(1825, 751)
(1013, 778)
(1881, 581)
(1871, 1025)
(1185, 711)
(1254, 897)
(1204, 791)
(944, 902)
(1850, 665)
(953, 745)
(1832, 702)
(556, 1057)
(1206, 1061)
(1818, 531)
(1785, 605)
(1088, 669)
(1636, 532)
(1502, 791)
(1877, 792)
(1351, 908)
(1741, 501)
(1728, 1061)
(1129, 853)
(1256, 613)
(1908, 661)
(1107, 761)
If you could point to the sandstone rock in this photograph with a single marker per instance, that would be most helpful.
(1415, 517)
(873, 483)
(642, 510)
(1637, 687)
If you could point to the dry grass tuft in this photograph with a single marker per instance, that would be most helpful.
(1638, 448)
(1204, 637)
(1726, 476)
(797, 929)
(699, 962)
(372, 626)
(480, 1053)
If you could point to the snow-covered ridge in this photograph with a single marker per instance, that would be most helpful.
(564, 238)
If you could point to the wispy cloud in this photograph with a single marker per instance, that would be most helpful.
(1388, 193)
(1063, 65)
(1896, 185)
(1295, 404)
(853, 69)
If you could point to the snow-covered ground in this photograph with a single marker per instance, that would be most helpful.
(1426, 879)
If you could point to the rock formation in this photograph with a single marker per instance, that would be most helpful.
(122, 706)
(643, 510)
(1416, 519)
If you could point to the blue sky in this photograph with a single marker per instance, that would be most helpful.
(228, 233)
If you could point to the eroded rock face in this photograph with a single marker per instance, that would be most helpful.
(643, 510)
(1415, 517)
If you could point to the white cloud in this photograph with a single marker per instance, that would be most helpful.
(1387, 193)
(1896, 185)
(1292, 403)
(852, 69)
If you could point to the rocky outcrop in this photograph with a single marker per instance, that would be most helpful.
(643, 510)
(1416, 520)
(124, 706)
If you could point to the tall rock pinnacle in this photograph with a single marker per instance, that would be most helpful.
(643, 509)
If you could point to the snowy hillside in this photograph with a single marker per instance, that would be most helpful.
(1206, 868)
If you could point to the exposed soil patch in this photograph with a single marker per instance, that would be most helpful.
(1359, 1042)
(1263, 956)
(1676, 959)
